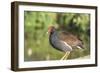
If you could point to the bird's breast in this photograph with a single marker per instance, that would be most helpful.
(59, 44)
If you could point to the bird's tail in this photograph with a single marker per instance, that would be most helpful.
(80, 46)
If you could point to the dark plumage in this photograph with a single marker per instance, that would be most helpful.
(63, 41)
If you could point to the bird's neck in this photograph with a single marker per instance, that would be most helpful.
(54, 35)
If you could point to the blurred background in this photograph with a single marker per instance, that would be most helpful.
(36, 41)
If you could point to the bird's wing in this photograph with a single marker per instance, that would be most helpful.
(70, 39)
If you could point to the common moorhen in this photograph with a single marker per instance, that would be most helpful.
(64, 41)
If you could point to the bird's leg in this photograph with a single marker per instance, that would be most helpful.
(64, 56)
(67, 55)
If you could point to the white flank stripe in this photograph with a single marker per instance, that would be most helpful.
(67, 45)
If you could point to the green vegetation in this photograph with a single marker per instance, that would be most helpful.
(36, 24)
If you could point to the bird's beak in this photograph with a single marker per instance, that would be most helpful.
(47, 33)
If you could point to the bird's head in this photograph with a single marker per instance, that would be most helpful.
(51, 29)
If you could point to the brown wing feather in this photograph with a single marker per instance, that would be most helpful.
(69, 38)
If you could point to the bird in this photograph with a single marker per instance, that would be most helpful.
(64, 41)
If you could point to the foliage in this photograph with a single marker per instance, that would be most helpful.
(36, 39)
